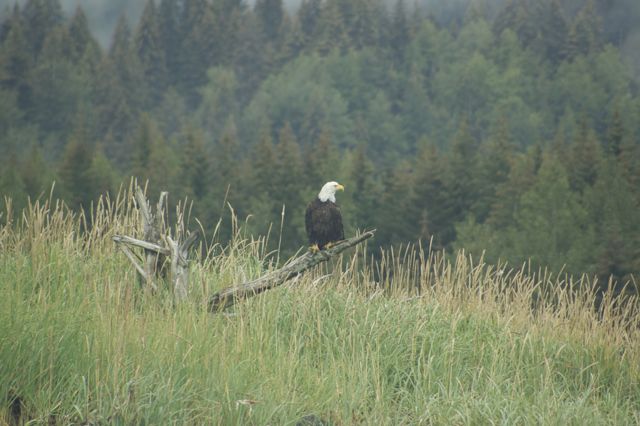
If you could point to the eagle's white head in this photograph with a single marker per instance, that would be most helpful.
(328, 191)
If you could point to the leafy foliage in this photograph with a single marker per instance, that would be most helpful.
(494, 129)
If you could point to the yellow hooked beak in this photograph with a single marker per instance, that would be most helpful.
(340, 187)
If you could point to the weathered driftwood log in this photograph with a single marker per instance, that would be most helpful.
(230, 295)
(153, 229)
(158, 245)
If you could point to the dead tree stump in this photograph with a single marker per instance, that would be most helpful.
(159, 249)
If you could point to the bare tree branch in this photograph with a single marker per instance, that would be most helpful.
(229, 296)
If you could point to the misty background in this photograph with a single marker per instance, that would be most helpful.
(507, 128)
(621, 18)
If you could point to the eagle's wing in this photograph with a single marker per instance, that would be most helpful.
(336, 218)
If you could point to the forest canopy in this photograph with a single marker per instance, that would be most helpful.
(510, 129)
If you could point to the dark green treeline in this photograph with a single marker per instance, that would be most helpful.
(513, 131)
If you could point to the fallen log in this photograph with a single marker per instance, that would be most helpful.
(229, 296)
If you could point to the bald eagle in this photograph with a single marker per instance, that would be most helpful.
(323, 219)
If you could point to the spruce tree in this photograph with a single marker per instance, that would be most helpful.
(494, 167)
(585, 34)
(432, 203)
(195, 173)
(462, 173)
(101, 175)
(74, 168)
(271, 16)
(41, 17)
(16, 61)
(585, 156)
(363, 189)
(399, 33)
(396, 209)
(85, 50)
(35, 173)
(320, 159)
(150, 52)
(169, 26)
(551, 226)
(12, 189)
(198, 49)
(615, 133)
(309, 18)
(288, 186)
(332, 33)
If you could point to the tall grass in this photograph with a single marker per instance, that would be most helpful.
(412, 338)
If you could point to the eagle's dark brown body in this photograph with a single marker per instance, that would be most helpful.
(323, 222)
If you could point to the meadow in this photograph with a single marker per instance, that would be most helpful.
(413, 337)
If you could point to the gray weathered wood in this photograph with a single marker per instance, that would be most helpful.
(230, 295)
(124, 239)
(153, 230)
(157, 246)
(180, 265)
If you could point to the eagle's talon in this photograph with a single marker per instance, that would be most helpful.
(314, 248)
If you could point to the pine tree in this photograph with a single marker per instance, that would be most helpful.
(226, 162)
(494, 168)
(198, 50)
(75, 166)
(124, 64)
(584, 159)
(271, 15)
(553, 32)
(253, 60)
(462, 173)
(551, 226)
(399, 33)
(152, 159)
(12, 190)
(522, 175)
(612, 209)
(101, 175)
(396, 210)
(218, 100)
(171, 113)
(332, 33)
(363, 189)
(150, 52)
(288, 180)
(16, 61)
(169, 26)
(41, 17)
(225, 182)
(85, 50)
(364, 29)
(320, 160)
(432, 203)
(585, 34)
(516, 16)
(195, 166)
(264, 210)
(615, 133)
(309, 18)
(35, 173)
(58, 87)
(229, 15)
(141, 146)
(117, 96)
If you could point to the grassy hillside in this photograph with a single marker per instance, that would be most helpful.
(476, 345)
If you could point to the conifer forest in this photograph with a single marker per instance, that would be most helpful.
(510, 129)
